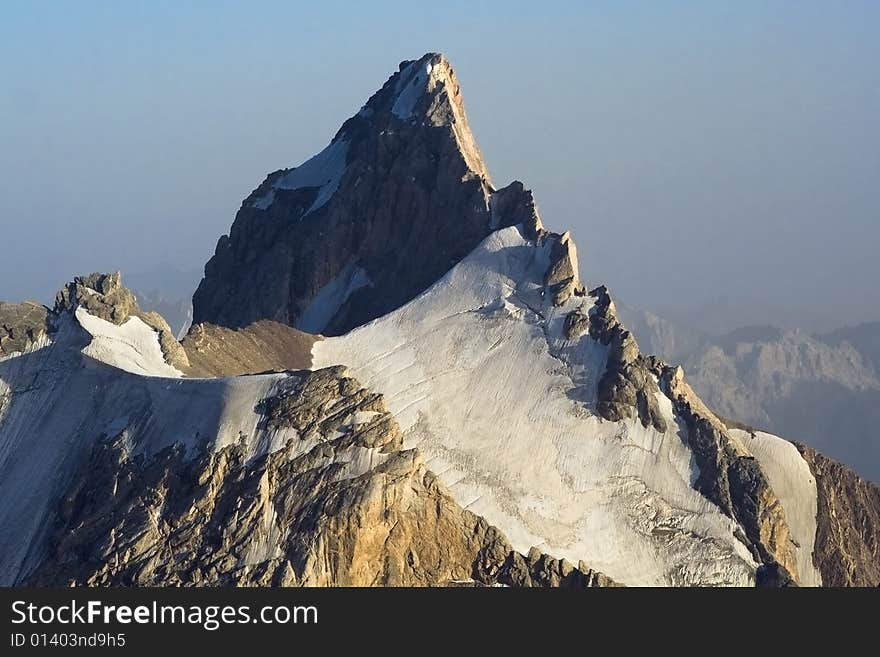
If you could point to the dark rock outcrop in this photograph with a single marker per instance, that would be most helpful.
(732, 479)
(22, 325)
(400, 196)
(627, 385)
(536, 569)
(847, 549)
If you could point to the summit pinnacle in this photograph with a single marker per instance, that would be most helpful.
(399, 195)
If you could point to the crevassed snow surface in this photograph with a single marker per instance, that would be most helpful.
(133, 346)
(483, 383)
(58, 401)
(792, 480)
(330, 298)
(324, 170)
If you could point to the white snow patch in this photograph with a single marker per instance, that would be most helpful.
(187, 323)
(478, 374)
(493, 216)
(413, 82)
(330, 298)
(792, 480)
(324, 170)
(133, 346)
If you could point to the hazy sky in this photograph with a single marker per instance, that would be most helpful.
(699, 151)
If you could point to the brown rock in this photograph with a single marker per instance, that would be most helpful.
(22, 325)
(261, 347)
(847, 549)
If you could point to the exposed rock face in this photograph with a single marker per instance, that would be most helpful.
(22, 325)
(847, 550)
(323, 517)
(104, 296)
(627, 384)
(732, 478)
(561, 279)
(399, 196)
(823, 390)
(537, 569)
(261, 347)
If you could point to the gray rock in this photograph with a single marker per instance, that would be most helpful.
(22, 325)
(627, 385)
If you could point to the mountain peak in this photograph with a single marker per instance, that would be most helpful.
(105, 297)
(398, 197)
(423, 91)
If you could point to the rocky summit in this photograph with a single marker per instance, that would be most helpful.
(396, 376)
(399, 196)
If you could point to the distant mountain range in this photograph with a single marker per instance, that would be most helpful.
(822, 389)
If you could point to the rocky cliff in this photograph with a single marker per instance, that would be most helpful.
(23, 326)
(848, 523)
(399, 196)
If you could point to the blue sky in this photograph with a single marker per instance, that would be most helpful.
(697, 150)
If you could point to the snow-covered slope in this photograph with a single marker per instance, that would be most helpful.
(792, 481)
(94, 381)
(482, 379)
(133, 346)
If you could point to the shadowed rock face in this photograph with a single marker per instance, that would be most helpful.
(22, 325)
(627, 384)
(285, 518)
(400, 195)
(733, 479)
(847, 551)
